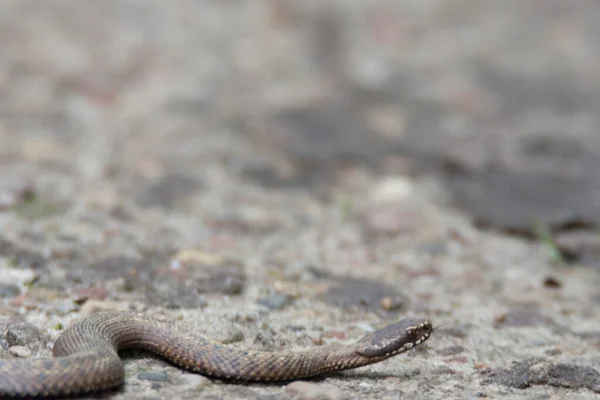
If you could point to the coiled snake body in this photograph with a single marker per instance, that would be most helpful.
(86, 355)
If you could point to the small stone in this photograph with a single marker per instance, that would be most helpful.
(314, 391)
(521, 317)
(230, 284)
(275, 301)
(451, 351)
(340, 335)
(92, 306)
(14, 190)
(35, 296)
(500, 318)
(20, 351)
(198, 256)
(24, 334)
(193, 382)
(391, 190)
(9, 290)
(8, 320)
(92, 293)
(391, 304)
(229, 334)
(552, 283)
(318, 341)
(153, 376)
(393, 219)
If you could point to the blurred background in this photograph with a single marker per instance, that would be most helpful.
(498, 99)
(393, 156)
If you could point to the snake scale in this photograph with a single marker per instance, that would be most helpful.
(86, 355)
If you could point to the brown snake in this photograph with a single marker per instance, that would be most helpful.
(87, 359)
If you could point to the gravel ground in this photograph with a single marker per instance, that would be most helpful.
(226, 162)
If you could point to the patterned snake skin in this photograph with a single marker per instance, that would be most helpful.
(87, 360)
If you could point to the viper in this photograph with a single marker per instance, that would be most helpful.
(86, 357)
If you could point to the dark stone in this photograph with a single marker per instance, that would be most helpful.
(524, 374)
(579, 246)
(181, 283)
(275, 301)
(110, 268)
(24, 334)
(523, 316)
(19, 255)
(8, 290)
(451, 351)
(168, 192)
(361, 293)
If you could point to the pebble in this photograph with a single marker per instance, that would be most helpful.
(229, 334)
(34, 297)
(24, 334)
(393, 208)
(391, 304)
(92, 293)
(12, 275)
(20, 351)
(275, 301)
(392, 190)
(193, 382)
(91, 306)
(314, 391)
(153, 376)
(393, 219)
(14, 190)
(9, 290)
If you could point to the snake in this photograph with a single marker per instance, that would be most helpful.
(86, 355)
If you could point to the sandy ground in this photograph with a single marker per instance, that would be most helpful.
(206, 160)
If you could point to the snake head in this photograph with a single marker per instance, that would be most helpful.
(395, 339)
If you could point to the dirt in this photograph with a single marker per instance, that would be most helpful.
(288, 174)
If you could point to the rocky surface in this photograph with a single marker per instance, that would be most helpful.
(284, 174)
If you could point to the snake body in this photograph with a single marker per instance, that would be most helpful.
(86, 355)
